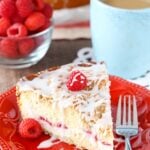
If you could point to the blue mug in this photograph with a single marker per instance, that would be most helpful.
(121, 38)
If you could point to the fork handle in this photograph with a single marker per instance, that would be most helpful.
(127, 143)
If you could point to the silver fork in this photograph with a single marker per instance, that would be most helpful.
(127, 120)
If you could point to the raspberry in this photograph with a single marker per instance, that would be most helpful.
(17, 30)
(48, 11)
(24, 7)
(77, 81)
(46, 25)
(7, 8)
(4, 25)
(18, 19)
(39, 4)
(35, 21)
(8, 48)
(26, 46)
(30, 128)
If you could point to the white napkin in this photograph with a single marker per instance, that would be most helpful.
(72, 23)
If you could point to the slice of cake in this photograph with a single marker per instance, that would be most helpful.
(71, 102)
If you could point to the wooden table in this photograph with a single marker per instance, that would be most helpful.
(61, 52)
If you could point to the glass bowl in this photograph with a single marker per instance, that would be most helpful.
(25, 51)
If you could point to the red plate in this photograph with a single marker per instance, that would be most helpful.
(9, 118)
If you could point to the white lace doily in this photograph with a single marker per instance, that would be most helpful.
(85, 55)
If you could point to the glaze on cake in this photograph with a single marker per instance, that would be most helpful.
(83, 117)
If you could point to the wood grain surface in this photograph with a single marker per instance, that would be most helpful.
(61, 52)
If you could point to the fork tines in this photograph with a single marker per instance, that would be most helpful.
(127, 111)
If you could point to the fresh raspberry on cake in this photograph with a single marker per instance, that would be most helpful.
(77, 81)
(25, 7)
(30, 128)
(35, 21)
(8, 48)
(17, 30)
(4, 25)
(7, 8)
(26, 46)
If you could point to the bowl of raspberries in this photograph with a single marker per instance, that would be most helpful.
(25, 32)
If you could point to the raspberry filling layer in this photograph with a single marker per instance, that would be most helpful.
(60, 125)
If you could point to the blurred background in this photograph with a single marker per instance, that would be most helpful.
(71, 33)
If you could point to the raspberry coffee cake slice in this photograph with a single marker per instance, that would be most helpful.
(71, 102)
